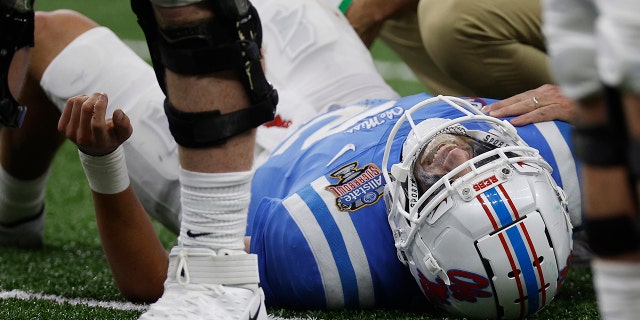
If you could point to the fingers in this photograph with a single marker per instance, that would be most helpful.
(121, 126)
(84, 122)
(544, 103)
(69, 120)
(524, 111)
(507, 103)
(513, 106)
(92, 119)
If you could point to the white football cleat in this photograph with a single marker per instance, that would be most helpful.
(204, 284)
(26, 234)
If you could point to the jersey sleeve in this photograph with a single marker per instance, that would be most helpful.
(312, 255)
(289, 276)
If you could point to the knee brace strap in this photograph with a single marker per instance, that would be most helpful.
(17, 24)
(229, 41)
(599, 145)
(604, 144)
(613, 236)
(207, 129)
(634, 158)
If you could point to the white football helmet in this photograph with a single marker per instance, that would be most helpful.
(489, 239)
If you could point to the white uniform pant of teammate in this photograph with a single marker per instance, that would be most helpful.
(313, 57)
(591, 42)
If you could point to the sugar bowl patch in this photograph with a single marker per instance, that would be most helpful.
(356, 187)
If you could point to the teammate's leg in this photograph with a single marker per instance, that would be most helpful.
(615, 231)
(26, 152)
(591, 43)
(209, 276)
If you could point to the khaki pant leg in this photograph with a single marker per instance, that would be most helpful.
(488, 48)
(402, 35)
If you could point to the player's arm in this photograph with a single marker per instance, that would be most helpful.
(136, 256)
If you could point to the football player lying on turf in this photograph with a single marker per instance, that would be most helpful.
(373, 277)
(486, 237)
(325, 217)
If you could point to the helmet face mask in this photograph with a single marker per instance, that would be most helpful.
(445, 152)
(476, 215)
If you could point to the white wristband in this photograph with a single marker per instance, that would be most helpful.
(106, 174)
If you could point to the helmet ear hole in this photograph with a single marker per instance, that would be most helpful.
(520, 300)
(538, 262)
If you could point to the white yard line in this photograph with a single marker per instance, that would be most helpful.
(117, 305)
(23, 295)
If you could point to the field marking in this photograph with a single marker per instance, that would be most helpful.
(117, 305)
(388, 69)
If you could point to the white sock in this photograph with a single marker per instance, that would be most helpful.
(214, 209)
(617, 286)
(20, 199)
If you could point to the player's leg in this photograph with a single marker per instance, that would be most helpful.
(605, 130)
(107, 65)
(493, 48)
(632, 113)
(617, 269)
(26, 152)
(611, 218)
(402, 35)
(210, 276)
(322, 59)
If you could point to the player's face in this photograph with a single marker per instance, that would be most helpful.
(442, 154)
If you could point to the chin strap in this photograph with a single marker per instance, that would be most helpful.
(431, 263)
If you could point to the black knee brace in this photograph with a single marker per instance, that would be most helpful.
(634, 158)
(17, 25)
(613, 236)
(230, 41)
(604, 144)
(609, 144)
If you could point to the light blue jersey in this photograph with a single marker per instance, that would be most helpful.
(318, 220)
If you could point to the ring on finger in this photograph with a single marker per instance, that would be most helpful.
(536, 103)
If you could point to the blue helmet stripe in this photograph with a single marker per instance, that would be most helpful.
(526, 267)
(503, 214)
(518, 246)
